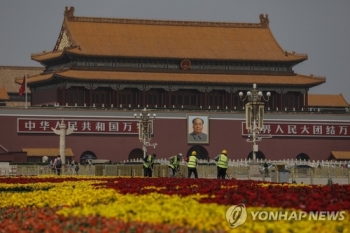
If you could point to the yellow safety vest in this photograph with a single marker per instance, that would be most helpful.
(175, 163)
(222, 162)
(192, 162)
(148, 162)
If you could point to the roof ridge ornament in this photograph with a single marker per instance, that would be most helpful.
(69, 13)
(164, 22)
(264, 20)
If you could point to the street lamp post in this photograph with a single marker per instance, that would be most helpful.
(254, 115)
(145, 129)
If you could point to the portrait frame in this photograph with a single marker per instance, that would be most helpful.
(192, 137)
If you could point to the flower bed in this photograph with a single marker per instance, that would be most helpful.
(112, 204)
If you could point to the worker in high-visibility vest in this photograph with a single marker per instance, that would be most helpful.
(148, 165)
(222, 164)
(174, 162)
(192, 164)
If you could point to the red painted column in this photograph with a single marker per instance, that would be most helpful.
(90, 97)
(281, 102)
(116, 98)
(169, 99)
(143, 98)
(63, 96)
(306, 100)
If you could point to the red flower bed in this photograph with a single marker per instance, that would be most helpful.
(46, 220)
(78, 216)
(248, 192)
(225, 192)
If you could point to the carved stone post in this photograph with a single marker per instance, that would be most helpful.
(63, 131)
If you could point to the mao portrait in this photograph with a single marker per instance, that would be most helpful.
(197, 129)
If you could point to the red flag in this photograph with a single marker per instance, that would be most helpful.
(22, 89)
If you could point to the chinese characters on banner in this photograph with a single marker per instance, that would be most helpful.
(80, 126)
(303, 129)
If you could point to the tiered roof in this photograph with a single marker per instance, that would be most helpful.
(317, 100)
(161, 39)
(112, 37)
(339, 155)
(10, 79)
(10, 74)
(47, 152)
(3, 94)
(180, 77)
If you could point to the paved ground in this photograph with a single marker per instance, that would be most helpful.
(323, 181)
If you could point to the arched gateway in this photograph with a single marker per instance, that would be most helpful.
(202, 153)
(136, 154)
(303, 156)
(87, 155)
(259, 155)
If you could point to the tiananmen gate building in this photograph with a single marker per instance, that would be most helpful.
(104, 70)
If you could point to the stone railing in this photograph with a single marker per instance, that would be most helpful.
(310, 172)
(205, 170)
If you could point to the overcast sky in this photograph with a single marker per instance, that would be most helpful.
(319, 28)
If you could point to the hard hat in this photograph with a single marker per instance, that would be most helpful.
(224, 152)
(180, 154)
(194, 153)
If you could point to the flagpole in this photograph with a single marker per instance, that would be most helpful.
(25, 85)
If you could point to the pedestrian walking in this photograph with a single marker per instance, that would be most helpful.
(57, 164)
(76, 168)
(266, 168)
(71, 167)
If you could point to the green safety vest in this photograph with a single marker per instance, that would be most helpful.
(148, 162)
(222, 162)
(175, 163)
(192, 162)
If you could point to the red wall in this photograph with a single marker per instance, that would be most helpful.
(47, 96)
(20, 157)
(170, 134)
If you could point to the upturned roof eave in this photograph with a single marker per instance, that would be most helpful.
(41, 57)
(75, 52)
(211, 79)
